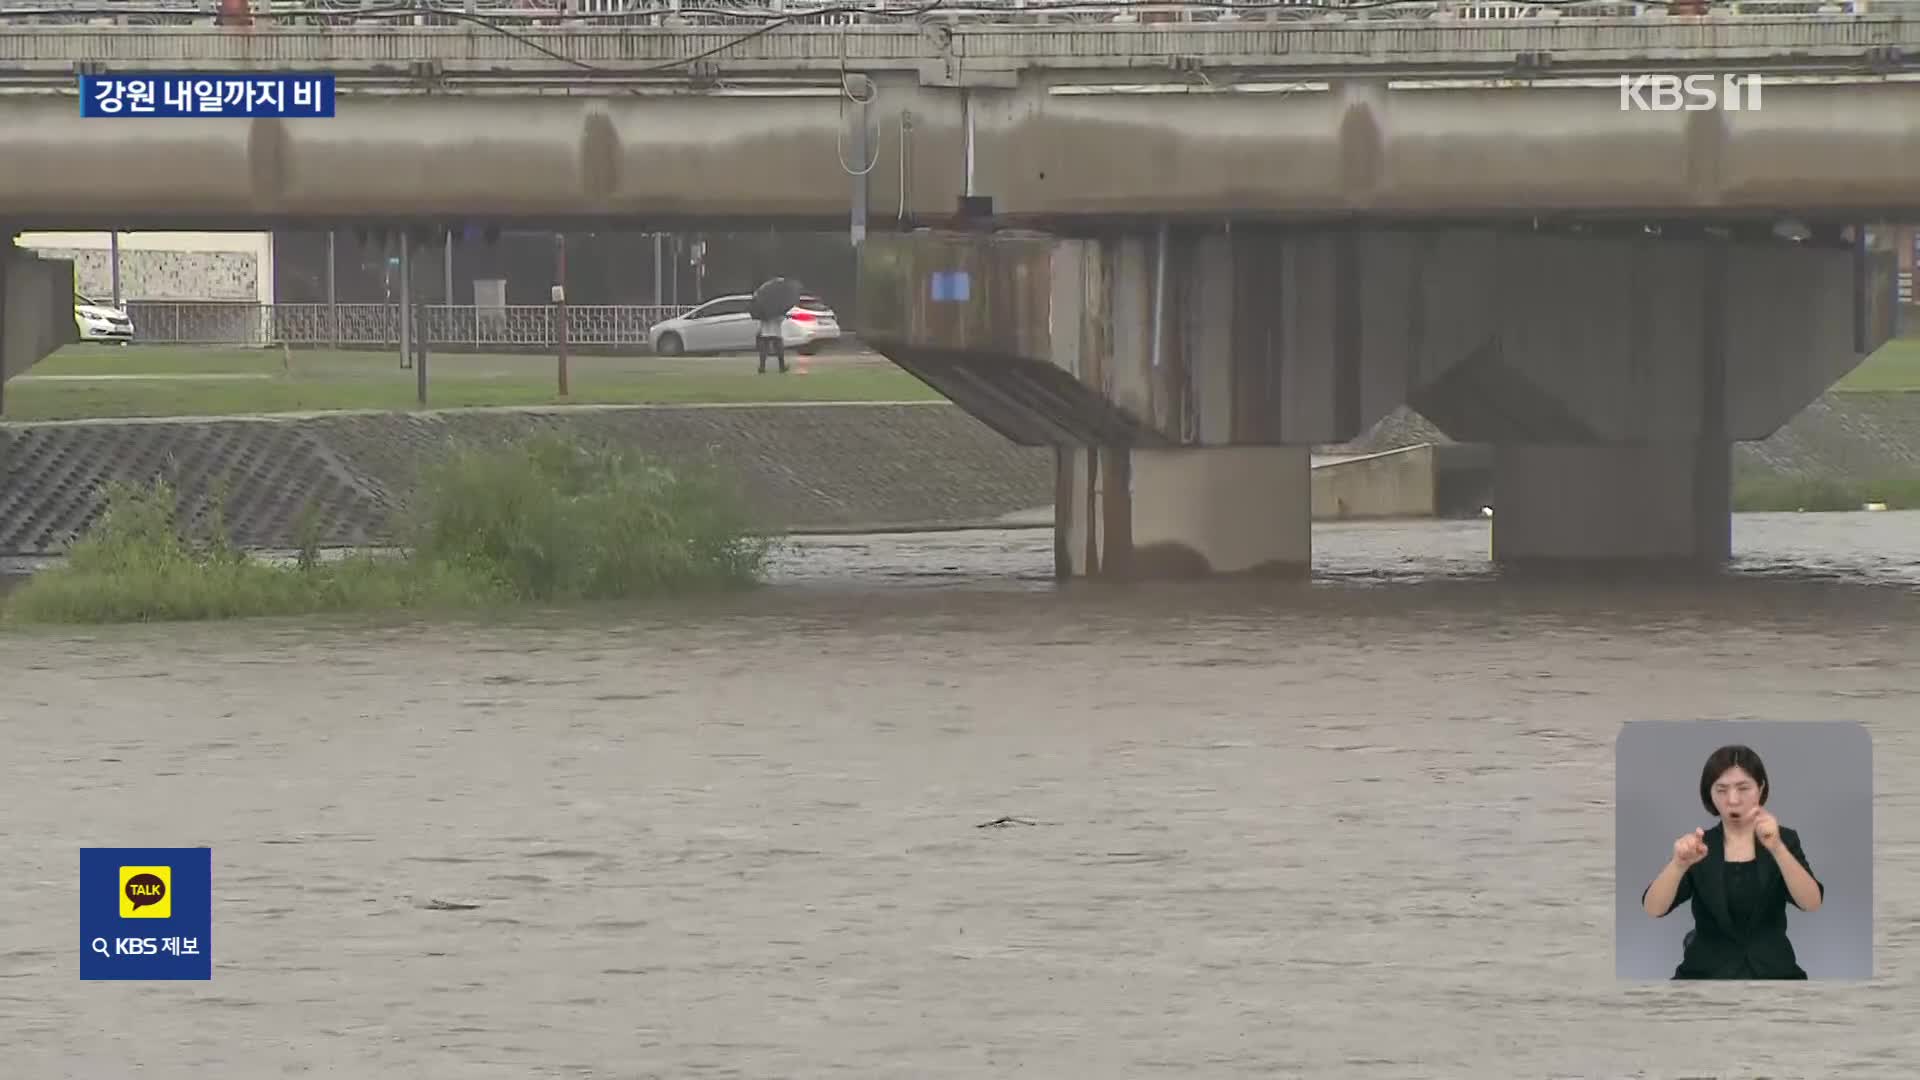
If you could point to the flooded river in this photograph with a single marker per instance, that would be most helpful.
(1356, 828)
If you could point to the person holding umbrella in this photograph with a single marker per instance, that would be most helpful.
(771, 301)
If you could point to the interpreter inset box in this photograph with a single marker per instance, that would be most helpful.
(1743, 850)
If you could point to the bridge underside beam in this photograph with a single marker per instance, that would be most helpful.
(1045, 153)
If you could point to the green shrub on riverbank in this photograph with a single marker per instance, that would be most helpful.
(1761, 492)
(551, 520)
(545, 520)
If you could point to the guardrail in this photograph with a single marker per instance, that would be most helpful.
(508, 329)
(668, 13)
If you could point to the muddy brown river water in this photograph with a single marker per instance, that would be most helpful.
(1358, 828)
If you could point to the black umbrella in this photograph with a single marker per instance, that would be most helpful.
(774, 298)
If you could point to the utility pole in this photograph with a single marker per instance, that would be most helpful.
(560, 305)
(333, 294)
(406, 297)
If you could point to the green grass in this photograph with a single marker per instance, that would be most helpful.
(1894, 367)
(268, 381)
(161, 360)
(320, 380)
(544, 521)
(1762, 492)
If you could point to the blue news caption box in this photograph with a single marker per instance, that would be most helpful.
(146, 913)
(146, 93)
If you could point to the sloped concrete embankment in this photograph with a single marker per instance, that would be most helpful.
(800, 467)
(853, 467)
(1840, 437)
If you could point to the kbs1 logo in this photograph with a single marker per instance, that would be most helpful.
(1694, 93)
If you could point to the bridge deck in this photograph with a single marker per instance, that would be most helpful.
(1358, 148)
(1098, 123)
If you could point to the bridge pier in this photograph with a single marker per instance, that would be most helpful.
(1581, 507)
(1183, 374)
(1133, 514)
(1613, 374)
(1610, 372)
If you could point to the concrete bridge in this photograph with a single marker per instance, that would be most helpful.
(1060, 128)
(1256, 239)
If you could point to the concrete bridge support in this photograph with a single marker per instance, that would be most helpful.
(1185, 373)
(1612, 374)
(36, 308)
(1182, 373)
(1579, 506)
(1186, 512)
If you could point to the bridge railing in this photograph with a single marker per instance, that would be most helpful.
(746, 13)
(509, 328)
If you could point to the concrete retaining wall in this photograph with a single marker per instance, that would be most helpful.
(853, 466)
(1389, 484)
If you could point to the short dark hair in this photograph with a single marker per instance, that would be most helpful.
(1732, 757)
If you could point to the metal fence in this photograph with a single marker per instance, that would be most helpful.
(515, 328)
(608, 326)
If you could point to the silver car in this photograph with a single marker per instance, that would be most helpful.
(724, 324)
(98, 320)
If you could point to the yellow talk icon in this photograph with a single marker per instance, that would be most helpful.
(146, 892)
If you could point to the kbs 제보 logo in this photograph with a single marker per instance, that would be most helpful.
(146, 913)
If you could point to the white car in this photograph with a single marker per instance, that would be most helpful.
(724, 324)
(101, 322)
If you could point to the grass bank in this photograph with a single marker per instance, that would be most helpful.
(90, 381)
(547, 520)
(1894, 367)
(83, 382)
(1768, 492)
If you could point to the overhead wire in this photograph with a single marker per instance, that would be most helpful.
(840, 130)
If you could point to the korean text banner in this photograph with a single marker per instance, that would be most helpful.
(246, 94)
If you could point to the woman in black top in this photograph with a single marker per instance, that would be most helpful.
(1740, 876)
